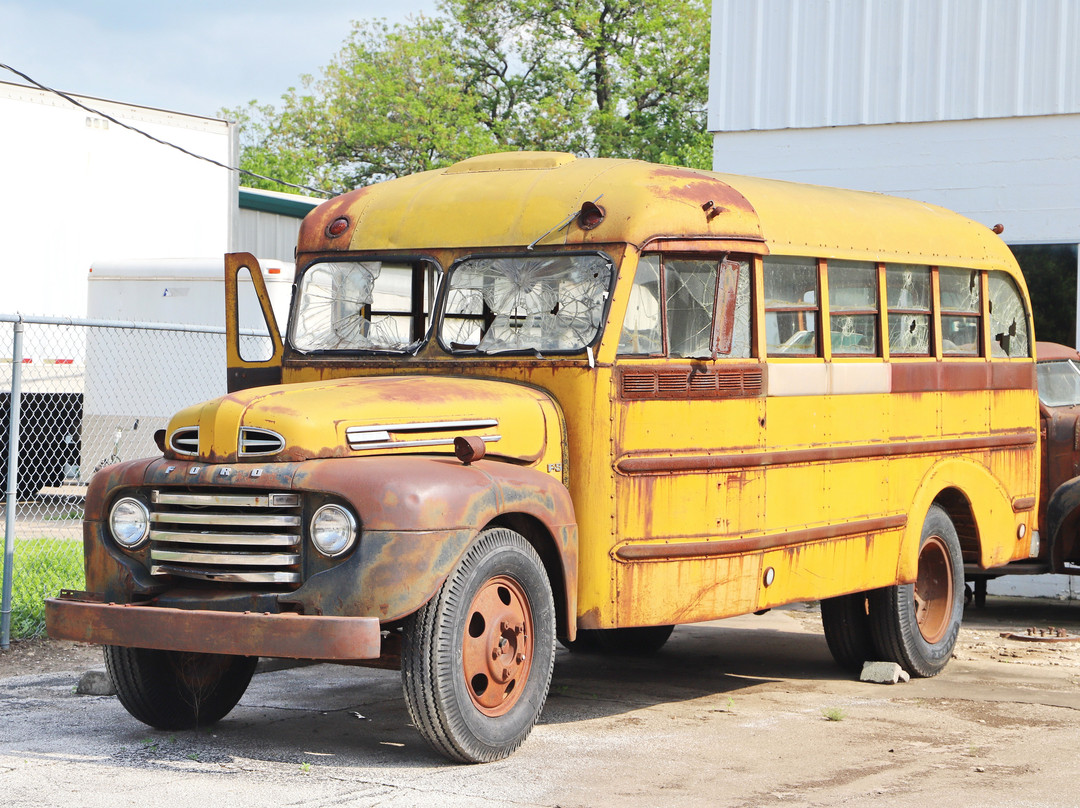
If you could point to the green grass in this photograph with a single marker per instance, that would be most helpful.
(833, 714)
(42, 568)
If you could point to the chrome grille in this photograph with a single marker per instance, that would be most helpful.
(232, 538)
(185, 441)
(258, 442)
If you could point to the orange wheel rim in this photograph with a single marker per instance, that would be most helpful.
(497, 650)
(934, 590)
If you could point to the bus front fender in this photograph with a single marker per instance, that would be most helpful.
(419, 516)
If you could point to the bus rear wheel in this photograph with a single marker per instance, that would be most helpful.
(476, 660)
(846, 620)
(916, 625)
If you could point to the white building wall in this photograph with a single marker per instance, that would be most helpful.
(75, 188)
(780, 64)
(1020, 172)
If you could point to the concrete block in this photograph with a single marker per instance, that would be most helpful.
(885, 673)
(95, 683)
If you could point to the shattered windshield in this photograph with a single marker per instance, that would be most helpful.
(526, 303)
(364, 306)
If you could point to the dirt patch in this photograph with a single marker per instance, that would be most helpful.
(43, 655)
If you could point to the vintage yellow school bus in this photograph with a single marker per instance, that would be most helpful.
(531, 397)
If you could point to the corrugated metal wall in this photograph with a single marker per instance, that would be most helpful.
(780, 64)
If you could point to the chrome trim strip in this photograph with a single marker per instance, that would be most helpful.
(412, 444)
(426, 426)
(242, 519)
(228, 559)
(356, 436)
(254, 539)
(228, 577)
(229, 500)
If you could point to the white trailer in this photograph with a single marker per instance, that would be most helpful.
(135, 379)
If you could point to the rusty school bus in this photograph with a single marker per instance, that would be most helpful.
(530, 398)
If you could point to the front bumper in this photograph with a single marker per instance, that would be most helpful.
(78, 616)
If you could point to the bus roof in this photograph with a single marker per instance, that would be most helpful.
(513, 199)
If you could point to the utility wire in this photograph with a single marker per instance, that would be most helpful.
(244, 171)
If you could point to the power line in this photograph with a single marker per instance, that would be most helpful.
(244, 171)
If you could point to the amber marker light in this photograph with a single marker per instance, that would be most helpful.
(337, 227)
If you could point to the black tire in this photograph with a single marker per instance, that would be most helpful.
(916, 625)
(846, 621)
(174, 690)
(636, 641)
(476, 660)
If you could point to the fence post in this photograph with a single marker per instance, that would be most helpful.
(11, 500)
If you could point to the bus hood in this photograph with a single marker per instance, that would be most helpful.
(362, 416)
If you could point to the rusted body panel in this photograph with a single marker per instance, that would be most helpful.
(419, 515)
(1059, 506)
(74, 617)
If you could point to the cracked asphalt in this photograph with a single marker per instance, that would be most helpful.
(730, 713)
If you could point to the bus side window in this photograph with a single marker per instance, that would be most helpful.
(907, 287)
(690, 294)
(641, 327)
(791, 305)
(1008, 318)
(732, 330)
(961, 306)
(853, 308)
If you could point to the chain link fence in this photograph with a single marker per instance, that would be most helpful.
(76, 396)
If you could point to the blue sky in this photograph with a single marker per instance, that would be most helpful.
(193, 56)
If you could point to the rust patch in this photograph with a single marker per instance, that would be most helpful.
(313, 231)
(791, 541)
(925, 377)
(246, 634)
(819, 454)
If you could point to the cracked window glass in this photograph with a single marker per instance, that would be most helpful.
(364, 306)
(641, 326)
(1008, 318)
(526, 303)
(961, 305)
(791, 295)
(690, 288)
(907, 287)
(853, 308)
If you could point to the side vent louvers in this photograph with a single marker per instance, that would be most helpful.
(185, 441)
(734, 382)
(260, 442)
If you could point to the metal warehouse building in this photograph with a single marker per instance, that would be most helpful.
(969, 104)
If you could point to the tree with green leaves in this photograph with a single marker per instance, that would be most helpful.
(607, 78)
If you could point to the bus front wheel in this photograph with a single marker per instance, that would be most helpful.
(177, 689)
(476, 660)
(916, 625)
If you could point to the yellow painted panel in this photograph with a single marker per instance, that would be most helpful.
(828, 568)
(683, 591)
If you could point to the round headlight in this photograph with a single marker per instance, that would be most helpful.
(129, 521)
(333, 530)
